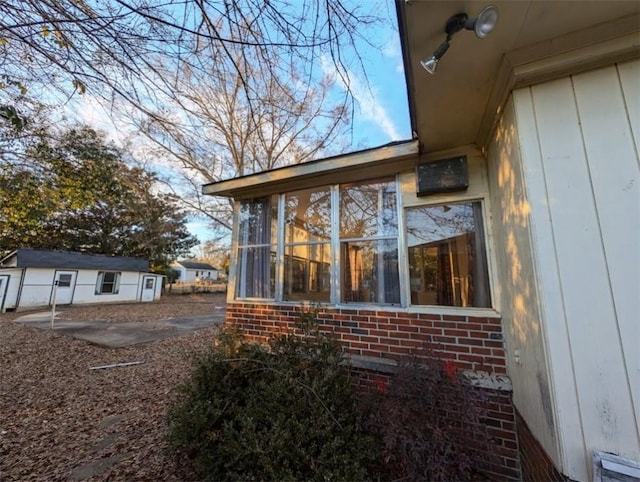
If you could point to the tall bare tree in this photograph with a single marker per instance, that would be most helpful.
(221, 88)
(109, 47)
(218, 123)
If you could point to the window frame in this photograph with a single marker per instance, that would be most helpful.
(100, 283)
(238, 246)
(404, 200)
(283, 245)
(379, 237)
(440, 201)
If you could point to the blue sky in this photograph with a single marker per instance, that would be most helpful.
(380, 112)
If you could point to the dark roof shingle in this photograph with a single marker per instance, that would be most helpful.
(195, 265)
(44, 258)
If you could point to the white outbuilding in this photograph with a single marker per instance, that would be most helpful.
(192, 271)
(32, 278)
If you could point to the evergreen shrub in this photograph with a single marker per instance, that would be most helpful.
(282, 412)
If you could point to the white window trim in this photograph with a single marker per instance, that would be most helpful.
(458, 198)
(100, 283)
(335, 287)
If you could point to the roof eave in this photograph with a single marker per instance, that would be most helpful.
(335, 169)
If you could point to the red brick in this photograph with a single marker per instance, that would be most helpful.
(471, 358)
(389, 341)
(377, 347)
(359, 318)
(456, 348)
(493, 343)
(355, 344)
(480, 351)
(454, 318)
(379, 332)
(468, 326)
(431, 331)
(492, 328)
(430, 316)
(408, 329)
(456, 333)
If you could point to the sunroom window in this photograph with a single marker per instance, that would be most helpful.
(369, 243)
(447, 255)
(257, 238)
(307, 249)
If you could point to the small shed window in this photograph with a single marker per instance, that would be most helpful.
(64, 281)
(108, 283)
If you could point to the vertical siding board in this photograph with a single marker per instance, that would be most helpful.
(630, 81)
(615, 176)
(569, 424)
(518, 293)
(585, 286)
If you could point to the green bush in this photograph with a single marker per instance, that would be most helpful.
(283, 412)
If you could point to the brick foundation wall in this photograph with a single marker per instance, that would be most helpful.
(502, 458)
(471, 344)
(536, 464)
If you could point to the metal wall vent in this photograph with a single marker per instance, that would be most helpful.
(444, 175)
(612, 468)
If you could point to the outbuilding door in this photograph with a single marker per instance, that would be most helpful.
(148, 288)
(64, 283)
(4, 282)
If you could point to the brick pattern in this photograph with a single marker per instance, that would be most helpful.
(471, 343)
(500, 420)
(536, 464)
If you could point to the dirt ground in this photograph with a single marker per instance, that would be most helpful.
(59, 420)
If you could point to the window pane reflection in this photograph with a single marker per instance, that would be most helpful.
(308, 216)
(307, 272)
(447, 258)
(370, 271)
(368, 210)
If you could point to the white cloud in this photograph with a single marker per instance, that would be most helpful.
(391, 50)
(366, 97)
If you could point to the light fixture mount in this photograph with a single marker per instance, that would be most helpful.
(455, 24)
(482, 25)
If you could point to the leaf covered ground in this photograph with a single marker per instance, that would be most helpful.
(59, 420)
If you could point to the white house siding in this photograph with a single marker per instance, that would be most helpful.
(129, 288)
(12, 288)
(516, 291)
(36, 287)
(579, 144)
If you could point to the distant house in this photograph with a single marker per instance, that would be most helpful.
(37, 277)
(191, 271)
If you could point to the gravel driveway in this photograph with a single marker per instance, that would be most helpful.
(59, 420)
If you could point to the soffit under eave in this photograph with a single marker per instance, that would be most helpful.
(452, 109)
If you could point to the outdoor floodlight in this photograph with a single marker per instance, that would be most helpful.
(482, 25)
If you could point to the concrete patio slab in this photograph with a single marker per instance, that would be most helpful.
(117, 335)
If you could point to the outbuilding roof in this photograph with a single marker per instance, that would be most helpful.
(45, 258)
(196, 265)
